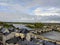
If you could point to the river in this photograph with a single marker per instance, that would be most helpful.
(52, 35)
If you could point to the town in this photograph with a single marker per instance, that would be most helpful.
(29, 34)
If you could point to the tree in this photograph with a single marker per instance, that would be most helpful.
(30, 25)
(39, 25)
(35, 25)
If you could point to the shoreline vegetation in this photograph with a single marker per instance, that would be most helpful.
(30, 25)
(36, 26)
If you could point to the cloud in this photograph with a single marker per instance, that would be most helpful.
(46, 11)
(16, 7)
(19, 10)
(14, 17)
(51, 21)
(14, 13)
(48, 19)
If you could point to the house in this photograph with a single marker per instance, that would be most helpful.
(18, 26)
(11, 29)
(13, 40)
(5, 31)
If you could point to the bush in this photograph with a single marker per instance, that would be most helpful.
(39, 25)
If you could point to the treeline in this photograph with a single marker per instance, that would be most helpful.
(36, 25)
(6, 24)
(30, 25)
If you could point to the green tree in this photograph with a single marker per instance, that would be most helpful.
(39, 25)
(30, 25)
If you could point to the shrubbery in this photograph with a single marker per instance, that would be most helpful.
(35, 25)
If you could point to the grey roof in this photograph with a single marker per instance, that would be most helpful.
(21, 26)
(13, 40)
(4, 30)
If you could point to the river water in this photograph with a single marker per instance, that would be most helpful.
(52, 35)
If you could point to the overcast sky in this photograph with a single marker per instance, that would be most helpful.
(30, 10)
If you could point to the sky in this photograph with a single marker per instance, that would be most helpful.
(30, 11)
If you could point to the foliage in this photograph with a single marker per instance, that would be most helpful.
(39, 25)
(30, 25)
(35, 25)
